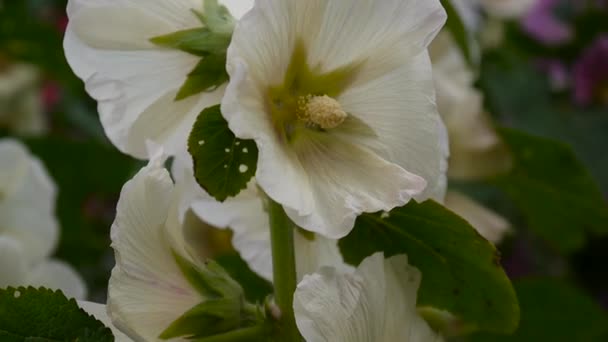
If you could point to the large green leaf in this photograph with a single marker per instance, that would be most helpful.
(461, 271)
(29, 314)
(223, 164)
(554, 311)
(559, 198)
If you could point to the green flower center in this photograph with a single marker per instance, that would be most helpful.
(306, 101)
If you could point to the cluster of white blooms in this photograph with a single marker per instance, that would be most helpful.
(339, 97)
(28, 227)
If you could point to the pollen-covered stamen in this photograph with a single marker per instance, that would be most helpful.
(322, 111)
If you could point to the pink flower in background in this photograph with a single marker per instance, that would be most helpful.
(591, 73)
(542, 24)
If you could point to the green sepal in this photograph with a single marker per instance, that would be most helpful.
(558, 197)
(462, 271)
(216, 17)
(223, 164)
(211, 281)
(198, 41)
(208, 318)
(207, 75)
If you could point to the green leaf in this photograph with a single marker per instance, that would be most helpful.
(29, 314)
(553, 189)
(554, 311)
(458, 30)
(461, 270)
(223, 164)
(198, 41)
(207, 75)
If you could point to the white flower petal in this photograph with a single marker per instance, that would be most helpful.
(349, 180)
(13, 267)
(397, 101)
(489, 224)
(376, 303)
(27, 204)
(134, 81)
(392, 93)
(147, 291)
(57, 275)
(99, 312)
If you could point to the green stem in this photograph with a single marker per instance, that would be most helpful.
(254, 333)
(284, 270)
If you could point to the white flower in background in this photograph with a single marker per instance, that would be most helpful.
(135, 82)
(99, 311)
(247, 217)
(507, 9)
(375, 303)
(338, 96)
(489, 224)
(21, 109)
(28, 227)
(476, 151)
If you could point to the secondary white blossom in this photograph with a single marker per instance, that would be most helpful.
(147, 290)
(490, 225)
(99, 311)
(135, 82)
(476, 151)
(247, 217)
(507, 8)
(375, 303)
(338, 96)
(28, 227)
(21, 109)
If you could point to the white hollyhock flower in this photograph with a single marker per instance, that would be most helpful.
(21, 109)
(375, 303)
(247, 217)
(476, 151)
(28, 227)
(99, 311)
(135, 82)
(338, 96)
(147, 291)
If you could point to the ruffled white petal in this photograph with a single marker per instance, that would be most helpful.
(147, 291)
(27, 202)
(57, 275)
(347, 180)
(376, 303)
(489, 224)
(13, 268)
(99, 312)
(134, 81)
(392, 93)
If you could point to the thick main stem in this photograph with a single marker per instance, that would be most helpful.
(284, 270)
